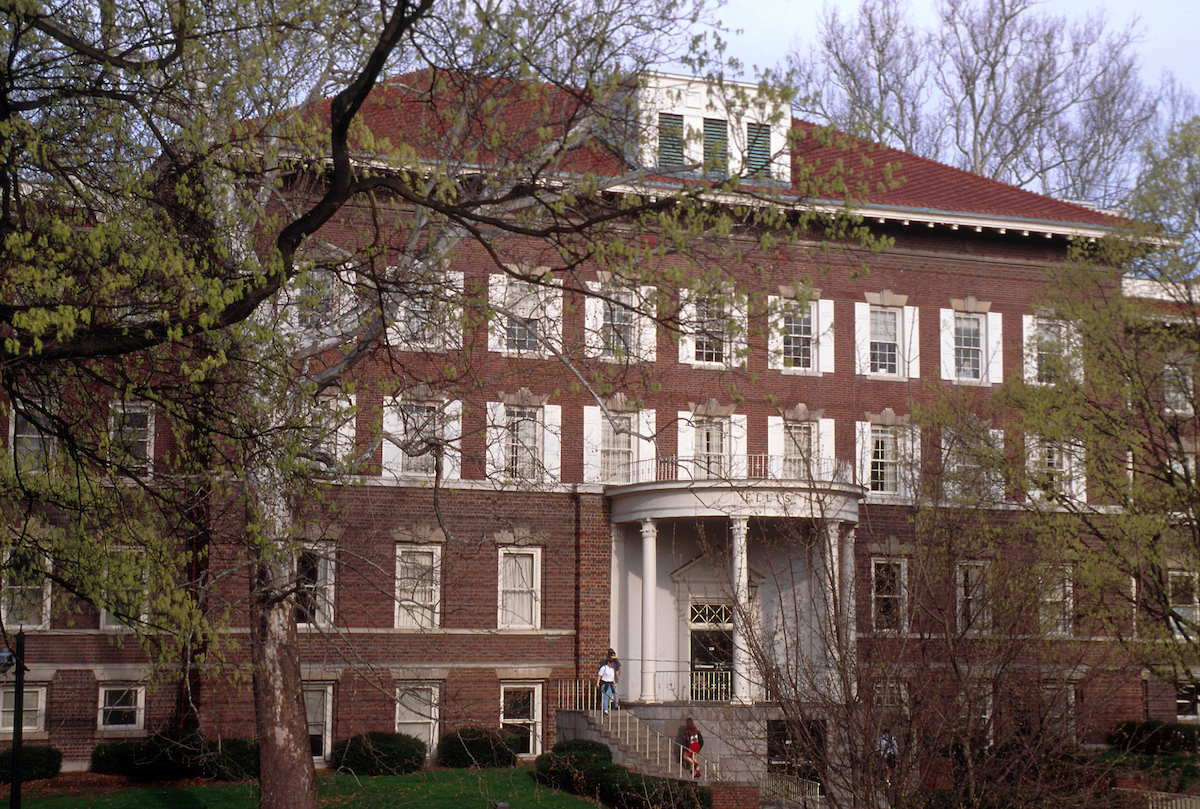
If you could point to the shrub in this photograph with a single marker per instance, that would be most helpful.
(231, 759)
(170, 755)
(633, 791)
(379, 753)
(37, 761)
(115, 758)
(476, 747)
(561, 767)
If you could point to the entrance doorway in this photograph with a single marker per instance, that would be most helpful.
(711, 628)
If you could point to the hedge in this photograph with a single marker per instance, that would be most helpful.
(476, 747)
(379, 753)
(37, 761)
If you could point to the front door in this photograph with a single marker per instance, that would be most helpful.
(711, 628)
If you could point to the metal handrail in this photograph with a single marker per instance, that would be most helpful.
(794, 788)
(652, 746)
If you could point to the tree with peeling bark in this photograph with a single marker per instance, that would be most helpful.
(204, 225)
(1000, 88)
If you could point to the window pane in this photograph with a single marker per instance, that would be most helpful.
(797, 338)
(968, 346)
(315, 702)
(885, 346)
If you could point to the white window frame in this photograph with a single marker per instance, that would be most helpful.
(404, 432)
(6, 609)
(411, 613)
(908, 359)
(46, 443)
(1189, 611)
(958, 483)
(597, 430)
(429, 318)
(117, 410)
(1069, 465)
(906, 442)
(820, 316)
(901, 597)
(605, 301)
(138, 708)
(1189, 694)
(322, 590)
(1178, 384)
(548, 436)
(8, 709)
(506, 617)
(779, 448)
(326, 723)
(340, 408)
(732, 334)
(109, 620)
(985, 697)
(734, 463)
(990, 366)
(425, 713)
(514, 300)
(533, 723)
(973, 597)
(1056, 601)
(1032, 328)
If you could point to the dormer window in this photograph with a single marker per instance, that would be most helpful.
(758, 151)
(670, 139)
(716, 147)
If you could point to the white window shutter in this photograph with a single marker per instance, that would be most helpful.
(823, 330)
(593, 434)
(775, 444)
(453, 322)
(452, 435)
(646, 450)
(947, 335)
(552, 441)
(687, 326)
(737, 446)
(1078, 474)
(862, 451)
(995, 348)
(495, 439)
(825, 446)
(497, 289)
(910, 447)
(552, 300)
(593, 323)
(687, 445)
(775, 307)
(393, 425)
(862, 337)
(912, 342)
(647, 329)
(739, 332)
(1029, 341)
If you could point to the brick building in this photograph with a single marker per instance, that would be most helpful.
(737, 494)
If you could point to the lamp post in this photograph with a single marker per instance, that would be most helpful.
(16, 659)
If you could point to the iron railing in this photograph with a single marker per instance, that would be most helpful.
(778, 468)
(795, 789)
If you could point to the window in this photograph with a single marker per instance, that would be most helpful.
(26, 595)
(131, 438)
(520, 588)
(799, 442)
(418, 585)
(524, 439)
(318, 708)
(887, 595)
(336, 414)
(716, 148)
(33, 449)
(122, 707)
(314, 587)
(1184, 595)
(521, 716)
(1057, 600)
(33, 710)
(1052, 351)
(1055, 471)
(971, 464)
(887, 450)
(758, 151)
(528, 319)
(711, 448)
(974, 602)
(1187, 702)
(714, 328)
(975, 715)
(972, 344)
(417, 433)
(886, 337)
(417, 712)
(618, 322)
(618, 447)
(124, 589)
(428, 318)
(670, 140)
(1177, 387)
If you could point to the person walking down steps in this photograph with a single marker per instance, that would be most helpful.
(606, 681)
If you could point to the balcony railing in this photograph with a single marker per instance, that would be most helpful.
(777, 468)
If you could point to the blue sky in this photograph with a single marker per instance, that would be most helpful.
(1170, 33)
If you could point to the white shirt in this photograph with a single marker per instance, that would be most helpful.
(607, 674)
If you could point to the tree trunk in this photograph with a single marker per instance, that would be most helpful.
(287, 779)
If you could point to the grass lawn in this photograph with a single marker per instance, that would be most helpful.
(435, 789)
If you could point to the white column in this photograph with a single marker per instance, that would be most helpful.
(741, 611)
(649, 609)
(845, 539)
